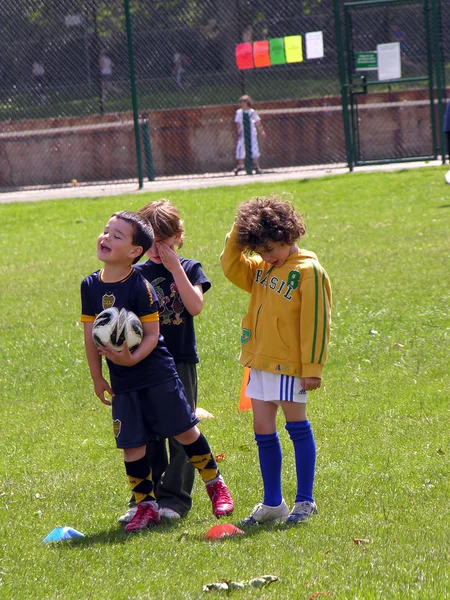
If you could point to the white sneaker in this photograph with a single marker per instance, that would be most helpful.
(301, 511)
(126, 518)
(168, 513)
(264, 514)
(447, 177)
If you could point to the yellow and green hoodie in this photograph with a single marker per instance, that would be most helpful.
(287, 327)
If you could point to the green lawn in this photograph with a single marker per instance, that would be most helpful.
(381, 419)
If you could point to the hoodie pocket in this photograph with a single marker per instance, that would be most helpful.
(272, 344)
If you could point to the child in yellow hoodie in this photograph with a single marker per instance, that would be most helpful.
(284, 340)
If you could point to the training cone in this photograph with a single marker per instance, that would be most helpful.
(245, 402)
(62, 533)
(221, 531)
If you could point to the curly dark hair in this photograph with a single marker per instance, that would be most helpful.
(263, 220)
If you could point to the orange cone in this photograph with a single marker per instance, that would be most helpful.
(245, 402)
(225, 530)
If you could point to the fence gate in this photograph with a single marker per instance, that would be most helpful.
(384, 46)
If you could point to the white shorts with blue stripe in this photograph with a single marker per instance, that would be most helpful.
(271, 387)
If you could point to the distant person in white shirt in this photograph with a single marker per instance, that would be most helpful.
(245, 103)
(38, 74)
(106, 72)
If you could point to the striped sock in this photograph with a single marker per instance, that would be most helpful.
(200, 455)
(140, 477)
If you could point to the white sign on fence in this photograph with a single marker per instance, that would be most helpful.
(389, 61)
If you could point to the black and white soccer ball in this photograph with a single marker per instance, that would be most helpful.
(114, 327)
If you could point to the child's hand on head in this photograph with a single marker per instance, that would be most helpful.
(169, 257)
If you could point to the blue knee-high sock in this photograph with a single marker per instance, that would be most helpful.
(269, 451)
(305, 458)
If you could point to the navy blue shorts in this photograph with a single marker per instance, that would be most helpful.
(160, 411)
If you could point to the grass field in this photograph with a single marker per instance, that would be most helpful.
(381, 419)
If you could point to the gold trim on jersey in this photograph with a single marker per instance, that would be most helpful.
(87, 319)
(152, 318)
(118, 280)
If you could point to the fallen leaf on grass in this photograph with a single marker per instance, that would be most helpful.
(358, 542)
(228, 586)
(317, 594)
(397, 345)
(220, 457)
(440, 451)
(201, 413)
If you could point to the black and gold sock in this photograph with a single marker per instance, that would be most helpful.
(200, 455)
(140, 478)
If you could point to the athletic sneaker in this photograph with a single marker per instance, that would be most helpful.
(265, 514)
(147, 515)
(222, 503)
(301, 511)
(169, 513)
(126, 518)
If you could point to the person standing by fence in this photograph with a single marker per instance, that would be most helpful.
(245, 103)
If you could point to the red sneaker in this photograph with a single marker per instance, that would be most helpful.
(222, 503)
(146, 516)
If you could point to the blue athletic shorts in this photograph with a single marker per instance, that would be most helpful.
(160, 411)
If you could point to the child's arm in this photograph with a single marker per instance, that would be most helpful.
(314, 325)
(260, 129)
(95, 366)
(191, 295)
(237, 267)
(128, 359)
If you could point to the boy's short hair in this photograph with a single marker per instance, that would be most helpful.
(263, 220)
(142, 230)
(164, 219)
(246, 98)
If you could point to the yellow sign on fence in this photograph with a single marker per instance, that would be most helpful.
(293, 47)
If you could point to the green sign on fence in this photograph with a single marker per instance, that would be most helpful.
(277, 56)
(366, 61)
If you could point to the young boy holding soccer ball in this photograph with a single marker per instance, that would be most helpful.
(284, 340)
(148, 399)
(180, 284)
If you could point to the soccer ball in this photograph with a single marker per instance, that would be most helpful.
(114, 327)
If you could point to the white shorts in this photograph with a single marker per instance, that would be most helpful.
(271, 387)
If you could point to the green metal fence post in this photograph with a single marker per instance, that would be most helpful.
(137, 136)
(343, 83)
(438, 65)
(248, 143)
(148, 150)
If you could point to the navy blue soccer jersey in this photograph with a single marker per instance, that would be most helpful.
(136, 294)
(177, 324)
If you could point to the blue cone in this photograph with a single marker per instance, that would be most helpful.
(62, 533)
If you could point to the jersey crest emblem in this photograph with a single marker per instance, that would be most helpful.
(245, 336)
(117, 426)
(108, 301)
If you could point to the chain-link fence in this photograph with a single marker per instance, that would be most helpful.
(65, 100)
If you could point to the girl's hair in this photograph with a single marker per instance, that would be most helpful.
(246, 99)
(164, 218)
(263, 220)
(142, 230)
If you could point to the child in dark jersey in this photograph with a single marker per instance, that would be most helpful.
(148, 399)
(179, 284)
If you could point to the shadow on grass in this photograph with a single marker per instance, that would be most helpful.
(118, 535)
